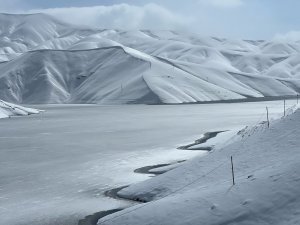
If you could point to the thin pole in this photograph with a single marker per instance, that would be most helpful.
(268, 117)
(297, 98)
(284, 107)
(232, 171)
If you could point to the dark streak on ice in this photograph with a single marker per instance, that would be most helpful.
(147, 169)
(93, 219)
(202, 140)
(113, 193)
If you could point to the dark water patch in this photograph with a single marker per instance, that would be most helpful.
(202, 140)
(207, 148)
(113, 193)
(147, 169)
(93, 219)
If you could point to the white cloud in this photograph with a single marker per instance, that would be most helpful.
(122, 16)
(291, 36)
(222, 3)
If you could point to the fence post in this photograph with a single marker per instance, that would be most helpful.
(284, 107)
(268, 117)
(232, 171)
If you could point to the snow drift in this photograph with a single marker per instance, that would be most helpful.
(266, 162)
(9, 109)
(44, 60)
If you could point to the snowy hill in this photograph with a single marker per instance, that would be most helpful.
(266, 190)
(43, 60)
(9, 109)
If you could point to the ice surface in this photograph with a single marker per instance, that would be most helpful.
(55, 166)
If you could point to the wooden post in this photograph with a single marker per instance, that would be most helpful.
(284, 107)
(232, 171)
(268, 117)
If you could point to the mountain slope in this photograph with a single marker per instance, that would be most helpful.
(43, 60)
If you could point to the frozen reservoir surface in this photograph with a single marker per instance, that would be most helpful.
(55, 166)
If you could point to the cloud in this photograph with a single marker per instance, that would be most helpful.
(291, 36)
(120, 16)
(222, 3)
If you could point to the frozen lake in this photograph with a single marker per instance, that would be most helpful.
(55, 166)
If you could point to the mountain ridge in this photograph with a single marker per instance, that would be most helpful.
(44, 60)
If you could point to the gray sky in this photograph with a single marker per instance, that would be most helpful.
(248, 19)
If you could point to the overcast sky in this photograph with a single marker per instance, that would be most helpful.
(247, 19)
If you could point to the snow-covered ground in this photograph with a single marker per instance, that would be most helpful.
(44, 60)
(55, 166)
(9, 109)
(201, 191)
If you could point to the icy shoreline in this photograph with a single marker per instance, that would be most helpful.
(152, 170)
(145, 195)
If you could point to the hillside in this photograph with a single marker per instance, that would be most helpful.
(43, 60)
(266, 190)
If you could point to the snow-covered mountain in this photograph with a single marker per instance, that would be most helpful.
(43, 60)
